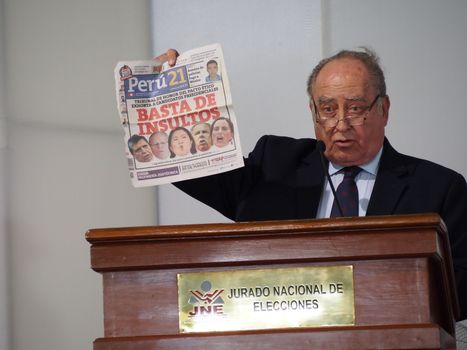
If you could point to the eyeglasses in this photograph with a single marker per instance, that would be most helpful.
(355, 115)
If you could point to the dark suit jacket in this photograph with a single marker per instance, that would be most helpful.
(283, 179)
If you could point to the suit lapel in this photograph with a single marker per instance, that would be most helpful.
(390, 184)
(310, 182)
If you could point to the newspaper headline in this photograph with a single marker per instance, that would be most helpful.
(178, 121)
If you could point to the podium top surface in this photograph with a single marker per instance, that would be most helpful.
(258, 228)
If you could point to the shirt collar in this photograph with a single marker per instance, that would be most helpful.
(370, 167)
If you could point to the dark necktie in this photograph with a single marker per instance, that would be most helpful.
(347, 194)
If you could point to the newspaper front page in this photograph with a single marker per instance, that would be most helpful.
(178, 121)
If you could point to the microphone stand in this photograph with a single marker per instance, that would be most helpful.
(321, 148)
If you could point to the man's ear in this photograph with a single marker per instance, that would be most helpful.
(385, 105)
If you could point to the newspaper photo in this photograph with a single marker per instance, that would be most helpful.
(178, 121)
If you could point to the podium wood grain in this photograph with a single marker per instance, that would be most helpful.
(404, 286)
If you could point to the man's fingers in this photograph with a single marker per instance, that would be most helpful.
(170, 56)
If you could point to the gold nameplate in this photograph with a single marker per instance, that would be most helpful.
(263, 299)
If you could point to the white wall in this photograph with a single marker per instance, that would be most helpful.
(66, 164)
(4, 311)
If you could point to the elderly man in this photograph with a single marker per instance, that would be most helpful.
(202, 135)
(159, 142)
(283, 177)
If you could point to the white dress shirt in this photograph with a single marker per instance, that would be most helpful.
(365, 181)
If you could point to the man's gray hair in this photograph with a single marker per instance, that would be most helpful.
(364, 55)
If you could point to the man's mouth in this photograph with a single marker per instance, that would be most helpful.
(343, 143)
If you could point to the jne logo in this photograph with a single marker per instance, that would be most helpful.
(205, 301)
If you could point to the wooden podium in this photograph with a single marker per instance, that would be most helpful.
(404, 288)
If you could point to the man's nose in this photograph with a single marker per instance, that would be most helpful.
(340, 113)
(342, 123)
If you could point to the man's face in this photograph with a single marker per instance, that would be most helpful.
(343, 85)
(212, 69)
(202, 138)
(160, 146)
(142, 151)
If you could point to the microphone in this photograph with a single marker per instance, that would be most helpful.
(320, 145)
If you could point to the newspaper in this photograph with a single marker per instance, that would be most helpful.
(178, 121)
